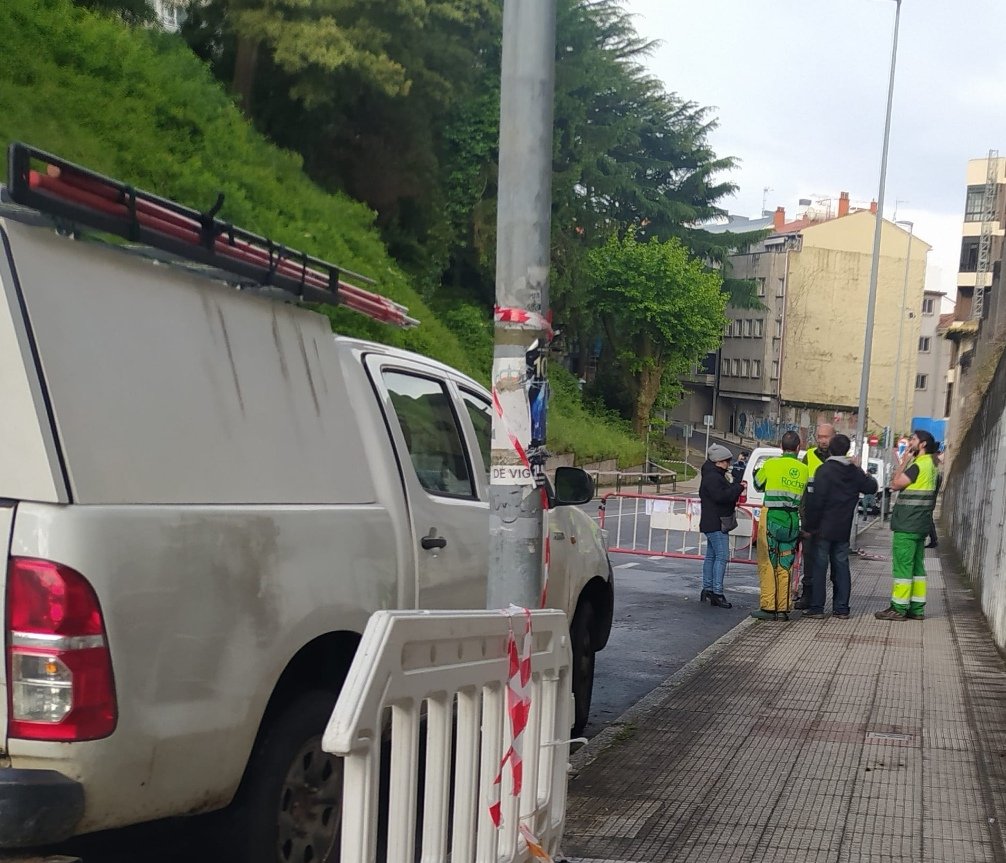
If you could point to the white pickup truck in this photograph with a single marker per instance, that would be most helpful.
(204, 494)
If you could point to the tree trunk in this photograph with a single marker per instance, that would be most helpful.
(244, 72)
(648, 379)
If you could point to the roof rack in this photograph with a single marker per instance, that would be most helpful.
(52, 185)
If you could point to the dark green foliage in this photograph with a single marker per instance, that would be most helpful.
(136, 104)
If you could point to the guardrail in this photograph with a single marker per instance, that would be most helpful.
(658, 477)
(438, 680)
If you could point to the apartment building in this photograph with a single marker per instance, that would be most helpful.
(933, 360)
(979, 323)
(797, 360)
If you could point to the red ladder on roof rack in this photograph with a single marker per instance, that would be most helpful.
(52, 185)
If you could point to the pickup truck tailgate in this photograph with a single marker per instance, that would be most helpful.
(7, 509)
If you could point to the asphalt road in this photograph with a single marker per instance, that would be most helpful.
(659, 626)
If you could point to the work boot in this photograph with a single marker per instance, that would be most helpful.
(762, 614)
(719, 600)
(814, 615)
(706, 594)
(801, 604)
(889, 614)
(916, 615)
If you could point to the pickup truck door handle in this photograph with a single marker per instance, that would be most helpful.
(432, 541)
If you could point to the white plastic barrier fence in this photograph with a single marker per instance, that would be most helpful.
(443, 676)
(668, 526)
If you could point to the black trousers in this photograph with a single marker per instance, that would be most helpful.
(809, 559)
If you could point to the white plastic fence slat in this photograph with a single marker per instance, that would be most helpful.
(407, 658)
(404, 782)
(492, 752)
(436, 792)
(466, 776)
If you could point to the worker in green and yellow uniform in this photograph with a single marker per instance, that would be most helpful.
(911, 519)
(813, 458)
(782, 479)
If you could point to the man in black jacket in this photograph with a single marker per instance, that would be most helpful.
(838, 484)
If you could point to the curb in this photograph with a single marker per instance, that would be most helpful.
(650, 703)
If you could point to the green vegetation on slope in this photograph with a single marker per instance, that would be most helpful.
(138, 105)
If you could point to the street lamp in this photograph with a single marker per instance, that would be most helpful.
(864, 384)
(901, 328)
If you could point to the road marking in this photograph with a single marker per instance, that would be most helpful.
(626, 565)
(690, 548)
(744, 588)
(656, 557)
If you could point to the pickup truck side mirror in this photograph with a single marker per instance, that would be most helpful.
(572, 486)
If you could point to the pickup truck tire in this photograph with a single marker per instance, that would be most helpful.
(289, 807)
(583, 663)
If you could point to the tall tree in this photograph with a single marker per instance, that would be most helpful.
(661, 309)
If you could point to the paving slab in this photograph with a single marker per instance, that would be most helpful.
(814, 740)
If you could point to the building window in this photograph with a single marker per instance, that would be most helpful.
(775, 370)
(921, 382)
(746, 330)
(924, 344)
(778, 328)
(737, 328)
(929, 306)
(780, 291)
(761, 286)
(757, 328)
(973, 204)
(745, 368)
(969, 255)
(735, 366)
(756, 368)
(729, 330)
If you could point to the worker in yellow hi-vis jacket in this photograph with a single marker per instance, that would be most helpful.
(783, 480)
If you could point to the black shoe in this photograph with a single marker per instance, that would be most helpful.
(801, 604)
(719, 600)
(706, 594)
(932, 544)
(814, 615)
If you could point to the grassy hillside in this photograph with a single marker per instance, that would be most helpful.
(138, 105)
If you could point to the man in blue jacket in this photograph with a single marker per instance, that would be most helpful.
(838, 483)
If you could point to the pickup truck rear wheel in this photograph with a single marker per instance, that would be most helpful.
(583, 663)
(290, 805)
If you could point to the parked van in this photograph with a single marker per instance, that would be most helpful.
(204, 495)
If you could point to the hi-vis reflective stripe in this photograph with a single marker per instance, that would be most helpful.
(916, 499)
(781, 500)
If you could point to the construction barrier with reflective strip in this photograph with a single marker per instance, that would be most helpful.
(668, 525)
(448, 680)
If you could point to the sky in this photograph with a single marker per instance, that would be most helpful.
(799, 88)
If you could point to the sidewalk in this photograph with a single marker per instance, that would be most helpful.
(813, 740)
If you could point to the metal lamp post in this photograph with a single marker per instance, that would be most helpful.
(901, 326)
(871, 302)
(864, 385)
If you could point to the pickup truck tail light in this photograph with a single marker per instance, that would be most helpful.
(59, 669)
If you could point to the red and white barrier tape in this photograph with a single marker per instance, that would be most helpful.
(525, 319)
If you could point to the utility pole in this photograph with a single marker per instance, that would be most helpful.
(522, 334)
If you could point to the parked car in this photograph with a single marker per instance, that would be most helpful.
(205, 495)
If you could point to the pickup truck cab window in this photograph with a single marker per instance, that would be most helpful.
(431, 432)
(481, 414)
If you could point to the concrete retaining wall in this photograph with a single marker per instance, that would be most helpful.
(974, 505)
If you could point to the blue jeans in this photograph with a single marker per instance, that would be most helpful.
(835, 553)
(714, 567)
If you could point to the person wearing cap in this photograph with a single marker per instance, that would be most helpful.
(783, 480)
(719, 502)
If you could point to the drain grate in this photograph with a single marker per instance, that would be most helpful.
(888, 737)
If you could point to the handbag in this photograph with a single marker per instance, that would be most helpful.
(728, 522)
